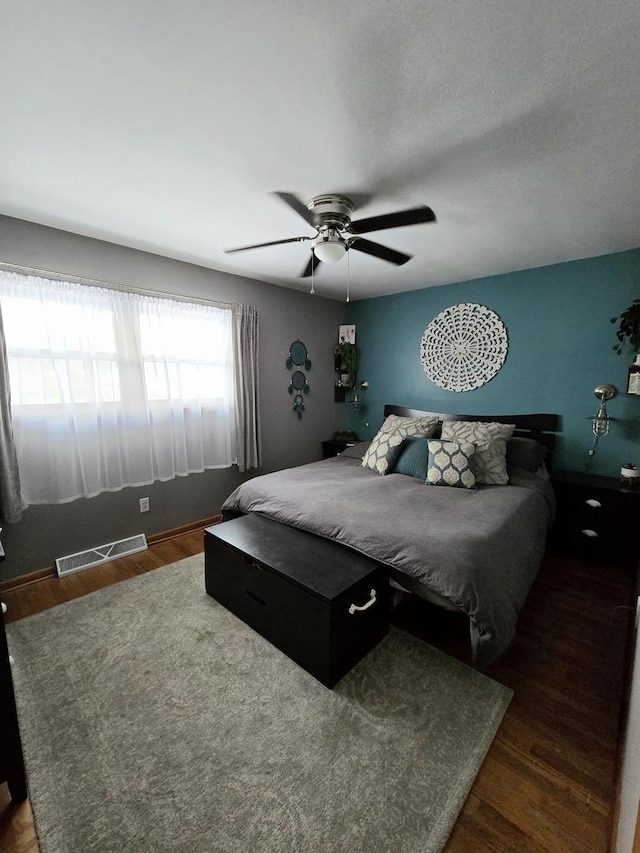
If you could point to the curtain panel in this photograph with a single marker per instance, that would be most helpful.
(246, 345)
(114, 389)
(11, 503)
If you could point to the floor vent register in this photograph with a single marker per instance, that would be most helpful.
(101, 554)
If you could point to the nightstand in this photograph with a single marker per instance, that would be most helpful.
(597, 519)
(334, 446)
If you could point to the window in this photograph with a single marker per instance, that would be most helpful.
(60, 353)
(112, 389)
(192, 359)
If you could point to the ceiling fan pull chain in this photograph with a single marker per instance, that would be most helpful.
(348, 278)
(313, 293)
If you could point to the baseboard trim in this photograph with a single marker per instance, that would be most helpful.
(155, 538)
(13, 584)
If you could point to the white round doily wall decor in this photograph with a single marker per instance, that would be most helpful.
(464, 347)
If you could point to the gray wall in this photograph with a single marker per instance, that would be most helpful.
(47, 532)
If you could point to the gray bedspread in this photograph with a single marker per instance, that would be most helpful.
(480, 549)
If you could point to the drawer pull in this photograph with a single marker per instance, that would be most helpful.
(593, 502)
(590, 533)
(254, 596)
(372, 600)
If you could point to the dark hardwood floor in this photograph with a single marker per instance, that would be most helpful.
(548, 781)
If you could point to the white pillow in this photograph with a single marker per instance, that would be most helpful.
(490, 439)
(424, 426)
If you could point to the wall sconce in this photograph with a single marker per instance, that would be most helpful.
(601, 421)
(357, 404)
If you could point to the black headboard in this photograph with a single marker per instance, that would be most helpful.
(542, 427)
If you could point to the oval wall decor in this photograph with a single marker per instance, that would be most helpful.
(463, 347)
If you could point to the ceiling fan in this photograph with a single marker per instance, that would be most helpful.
(336, 233)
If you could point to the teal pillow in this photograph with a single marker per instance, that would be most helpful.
(449, 464)
(413, 458)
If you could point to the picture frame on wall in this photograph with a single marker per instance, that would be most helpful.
(347, 334)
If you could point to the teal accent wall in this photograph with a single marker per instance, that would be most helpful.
(560, 347)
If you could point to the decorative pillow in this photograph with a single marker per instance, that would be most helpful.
(413, 426)
(383, 451)
(413, 458)
(525, 453)
(449, 464)
(387, 443)
(490, 439)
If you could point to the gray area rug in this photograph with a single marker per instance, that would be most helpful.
(154, 720)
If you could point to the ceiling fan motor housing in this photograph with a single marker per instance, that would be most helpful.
(331, 210)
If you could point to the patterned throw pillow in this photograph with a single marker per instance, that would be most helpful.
(383, 451)
(387, 443)
(413, 458)
(490, 439)
(449, 464)
(413, 426)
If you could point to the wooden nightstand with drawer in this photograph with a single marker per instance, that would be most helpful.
(335, 446)
(597, 518)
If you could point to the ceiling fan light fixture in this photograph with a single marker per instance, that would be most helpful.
(336, 234)
(329, 247)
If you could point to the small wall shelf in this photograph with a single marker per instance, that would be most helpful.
(340, 388)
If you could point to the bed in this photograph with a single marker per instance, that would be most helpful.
(472, 549)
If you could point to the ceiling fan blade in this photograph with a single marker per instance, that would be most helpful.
(414, 216)
(295, 204)
(312, 266)
(261, 245)
(378, 251)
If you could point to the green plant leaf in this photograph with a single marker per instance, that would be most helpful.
(628, 327)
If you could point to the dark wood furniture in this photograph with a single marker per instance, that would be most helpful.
(334, 446)
(11, 759)
(339, 390)
(596, 519)
(541, 427)
(320, 603)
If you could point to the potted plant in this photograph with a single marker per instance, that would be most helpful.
(630, 474)
(347, 360)
(629, 331)
(628, 328)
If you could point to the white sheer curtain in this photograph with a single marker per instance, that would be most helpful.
(114, 389)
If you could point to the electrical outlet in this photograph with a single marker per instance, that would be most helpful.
(144, 504)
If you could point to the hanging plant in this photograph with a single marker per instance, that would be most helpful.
(349, 356)
(628, 328)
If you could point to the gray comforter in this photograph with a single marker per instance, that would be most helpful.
(479, 549)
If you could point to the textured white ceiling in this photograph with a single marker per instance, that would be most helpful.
(164, 126)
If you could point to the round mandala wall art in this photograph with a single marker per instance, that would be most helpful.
(463, 347)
